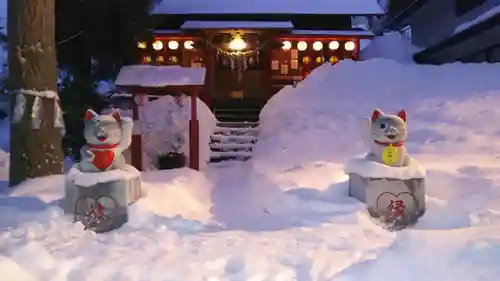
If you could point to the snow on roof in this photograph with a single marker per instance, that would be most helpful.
(236, 24)
(483, 17)
(318, 7)
(160, 76)
(333, 32)
(167, 31)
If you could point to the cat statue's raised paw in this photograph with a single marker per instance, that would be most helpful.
(106, 136)
(386, 138)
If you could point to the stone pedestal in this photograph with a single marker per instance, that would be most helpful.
(100, 200)
(395, 197)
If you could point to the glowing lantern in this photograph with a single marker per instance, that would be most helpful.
(158, 45)
(350, 46)
(237, 44)
(142, 45)
(287, 45)
(302, 46)
(317, 46)
(334, 45)
(173, 45)
(189, 45)
(333, 59)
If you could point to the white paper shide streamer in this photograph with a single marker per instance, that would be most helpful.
(36, 113)
(19, 108)
(36, 109)
(58, 116)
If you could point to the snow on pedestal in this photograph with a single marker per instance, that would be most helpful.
(107, 194)
(389, 192)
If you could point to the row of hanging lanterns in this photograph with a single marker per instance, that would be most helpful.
(158, 45)
(318, 46)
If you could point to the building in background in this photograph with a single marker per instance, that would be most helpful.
(451, 30)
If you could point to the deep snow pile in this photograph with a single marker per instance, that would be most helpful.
(286, 214)
(450, 110)
(392, 46)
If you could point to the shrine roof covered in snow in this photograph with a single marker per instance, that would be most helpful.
(313, 7)
(151, 77)
(237, 24)
(360, 33)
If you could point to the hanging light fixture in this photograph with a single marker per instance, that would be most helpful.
(188, 45)
(237, 44)
(287, 45)
(173, 45)
(142, 45)
(302, 46)
(334, 45)
(350, 46)
(158, 45)
(317, 46)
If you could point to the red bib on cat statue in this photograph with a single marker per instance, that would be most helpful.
(104, 155)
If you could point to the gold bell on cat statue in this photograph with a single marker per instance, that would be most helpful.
(390, 155)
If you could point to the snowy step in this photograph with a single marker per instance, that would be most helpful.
(230, 138)
(252, 110)
(237, 118)
(231, 145)
(234, 133)
(238, 154)
(226, 159)
(244, 124)
(235, 130)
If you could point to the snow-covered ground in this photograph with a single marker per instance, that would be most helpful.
(285, 214)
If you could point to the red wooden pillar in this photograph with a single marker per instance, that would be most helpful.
(194, 138)
(267, 73)
(136, 146)
(356, 49)
(209, 90)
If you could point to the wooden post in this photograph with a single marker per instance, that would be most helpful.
(267, 73)
(136, 146)
(209, 90)
(194, 138)
(356, 50)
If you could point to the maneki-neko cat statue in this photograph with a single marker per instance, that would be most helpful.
(102, 182)
(107, 137)
(387, 179)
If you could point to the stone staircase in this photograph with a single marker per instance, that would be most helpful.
(237, 130)
(233, 140)
(246, 110)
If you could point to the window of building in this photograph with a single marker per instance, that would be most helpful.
(464, 6)
(406, 32)
(494, 55)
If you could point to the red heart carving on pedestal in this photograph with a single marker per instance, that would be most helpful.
(399, 204)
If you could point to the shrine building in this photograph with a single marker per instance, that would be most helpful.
(234, 56)
(251, 51)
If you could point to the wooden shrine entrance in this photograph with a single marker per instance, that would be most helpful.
(239, 95)
(143, 81)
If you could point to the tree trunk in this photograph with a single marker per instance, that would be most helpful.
(33, 66)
